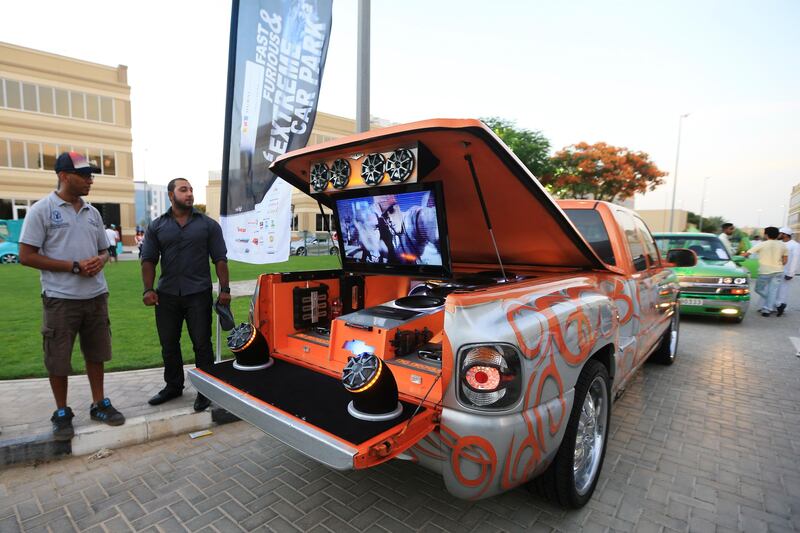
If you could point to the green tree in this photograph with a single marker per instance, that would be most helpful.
(710, 224)
(530, 146)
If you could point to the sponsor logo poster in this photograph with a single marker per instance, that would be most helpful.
(277, 57)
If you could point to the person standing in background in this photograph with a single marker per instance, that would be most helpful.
(790, 270)
(119, 242)
(772, 255)
(727, 231)
(183, 239)
(111, 235)
(63, 237)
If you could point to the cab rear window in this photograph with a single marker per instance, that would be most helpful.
(591, 226)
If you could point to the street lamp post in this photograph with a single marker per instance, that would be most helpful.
(362, 66)
(703, 202)
(675, 182)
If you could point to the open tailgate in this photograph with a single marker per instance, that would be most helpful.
(307, 410)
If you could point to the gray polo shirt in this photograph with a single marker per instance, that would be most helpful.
(53, 226)
(184, 252)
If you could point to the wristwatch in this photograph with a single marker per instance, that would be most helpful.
(76, 267)
(225, 290)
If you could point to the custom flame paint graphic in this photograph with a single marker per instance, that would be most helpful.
(557, 327)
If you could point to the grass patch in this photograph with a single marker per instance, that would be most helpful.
(133, 326)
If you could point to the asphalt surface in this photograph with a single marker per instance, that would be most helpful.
(708, 444)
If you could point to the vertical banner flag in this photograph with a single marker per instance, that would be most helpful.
(276, 58)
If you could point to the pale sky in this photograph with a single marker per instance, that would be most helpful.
(621, 72)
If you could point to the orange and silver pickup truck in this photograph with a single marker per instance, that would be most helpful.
(476, 326)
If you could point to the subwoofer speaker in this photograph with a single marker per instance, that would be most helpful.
(373, 388)
(250, 348)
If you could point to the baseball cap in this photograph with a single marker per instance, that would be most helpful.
(76, 163)
(786, 230)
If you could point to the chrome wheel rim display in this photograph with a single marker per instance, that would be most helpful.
(400, 165)
(319, 176)
(591, 435)
(340, 173)
(373, 168)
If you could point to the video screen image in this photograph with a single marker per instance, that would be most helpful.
(391, 229)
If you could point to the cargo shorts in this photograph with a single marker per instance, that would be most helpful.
(62, 320)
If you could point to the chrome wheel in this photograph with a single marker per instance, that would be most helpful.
(9, 258)
(673, 335)
(591, 435)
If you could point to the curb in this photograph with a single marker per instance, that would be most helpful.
(92, 438)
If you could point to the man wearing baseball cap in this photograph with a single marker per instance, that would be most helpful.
(63, 237)
(789, 270)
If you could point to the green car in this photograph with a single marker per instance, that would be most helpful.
(716, 285)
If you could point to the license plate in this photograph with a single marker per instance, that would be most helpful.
(691, 301)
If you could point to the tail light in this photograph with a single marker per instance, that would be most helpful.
(490, 376)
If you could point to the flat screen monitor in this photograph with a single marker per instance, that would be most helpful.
(394, 230)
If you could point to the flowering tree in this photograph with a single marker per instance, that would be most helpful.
(601, 172)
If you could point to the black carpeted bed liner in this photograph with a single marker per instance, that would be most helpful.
(316, 398)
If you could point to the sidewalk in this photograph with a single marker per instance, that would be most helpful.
(28, 404)
(26, 431)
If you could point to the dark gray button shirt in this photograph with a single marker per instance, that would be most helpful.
(184, 252)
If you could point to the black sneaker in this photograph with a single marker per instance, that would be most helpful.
(62, 424)
(781, 309)
(103, 411)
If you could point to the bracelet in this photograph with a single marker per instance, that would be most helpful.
(148, 290)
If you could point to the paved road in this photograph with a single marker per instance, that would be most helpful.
(709, 444)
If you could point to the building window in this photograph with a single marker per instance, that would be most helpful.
(323, 223)
(295, 223)
(109, 164)
(46, 100)
(29, 102)
(92, 107)
(33, 156)
(17, 154)
(78, 107)
(13, 95)
(4, 153)
(49, 155)
(107, 109)
(62, 102)
(6, 211)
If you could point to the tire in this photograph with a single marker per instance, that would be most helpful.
(566, 482)
(334, 250)
(301, 251)
(9, 259)
(668, 345)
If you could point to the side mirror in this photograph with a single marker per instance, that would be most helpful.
(738, 259)
(682, 257)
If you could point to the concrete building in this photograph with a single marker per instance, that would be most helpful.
(50, 104)
(152, 201)
(793, 220)
(305, 211)
(658, 219)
